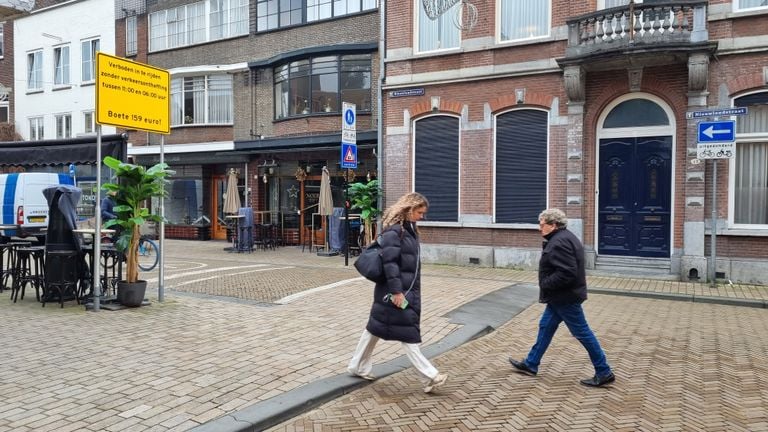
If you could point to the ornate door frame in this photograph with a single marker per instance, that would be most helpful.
(635, 132)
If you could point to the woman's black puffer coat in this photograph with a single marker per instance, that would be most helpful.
(400, 257)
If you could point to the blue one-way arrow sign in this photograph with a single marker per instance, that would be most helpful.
(719, 131)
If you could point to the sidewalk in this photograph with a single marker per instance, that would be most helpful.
(237, 329)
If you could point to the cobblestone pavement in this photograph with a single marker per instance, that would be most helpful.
(236, 329)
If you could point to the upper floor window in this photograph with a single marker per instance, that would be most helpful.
(89, 125)
(131, 36)
(35, 70)
(63, 126)
(749, 4)
(89, 49)
(2, 41)
(197, 22)
(523, 19)
(272, 14)
(750, 165)
(320, 84)
(440, 33)
(4, 105)
(201, 100)
(36, 131)
(61, 65)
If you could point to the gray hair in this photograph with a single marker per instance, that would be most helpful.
(554, 216)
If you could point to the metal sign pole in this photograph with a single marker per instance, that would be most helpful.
(161, 275)
(96, 270)
(713, 236)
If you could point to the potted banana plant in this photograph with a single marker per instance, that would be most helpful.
(134, 187)
(364, 197)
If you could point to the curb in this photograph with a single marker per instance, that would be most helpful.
(479, 317)
(727, 301)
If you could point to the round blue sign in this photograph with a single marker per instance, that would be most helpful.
(71, 170)
(349, 117)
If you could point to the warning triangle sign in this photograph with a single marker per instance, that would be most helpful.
(350, 156)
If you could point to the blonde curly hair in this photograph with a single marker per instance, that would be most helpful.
(398, 212)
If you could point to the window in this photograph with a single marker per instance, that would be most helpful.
(89, 49)
(63, 126)
(520, 184)
(131, 36)
(36, 131)
(4, 105)
(35, 70)
(319, 84)
(524, 19)
(61, 65)
(272, 14)
(750, 4)
(750, 178)
(440, 33)
(2, 41)
(228, 18)
(201, 100)
(436, 166)
(89, 126)
(197, 23)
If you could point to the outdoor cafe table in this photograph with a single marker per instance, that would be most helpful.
(236, 237)
(108, 253)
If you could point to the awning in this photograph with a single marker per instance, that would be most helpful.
(304, 142)
(61, 152)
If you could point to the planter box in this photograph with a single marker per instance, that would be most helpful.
(188, 232)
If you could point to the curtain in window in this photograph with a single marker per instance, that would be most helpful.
(35, 70)
(751, 177)
(218, 11)
(175, 20)
(157, 30)
(177, 105)
(61, 65)
(239, 17)
(220, 99)
(89, 49)
(523, 19)
(440, 33)
(436, 150)
(131, 42)
(194, 100)
(195, 23)
(521, 166)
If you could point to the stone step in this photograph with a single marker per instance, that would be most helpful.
(633, 267)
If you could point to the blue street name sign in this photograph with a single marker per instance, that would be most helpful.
(740, 111)
(719, 131)
(348, 155)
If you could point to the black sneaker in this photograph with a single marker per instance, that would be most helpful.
(597, 381)
(522, 367)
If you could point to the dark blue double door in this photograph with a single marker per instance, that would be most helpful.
(634, 204)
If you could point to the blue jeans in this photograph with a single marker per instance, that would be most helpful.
(573, 315)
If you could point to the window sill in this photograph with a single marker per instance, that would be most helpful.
(741, 232)
(34, 91)
(62, 87)
(319, 114)
(87, 83)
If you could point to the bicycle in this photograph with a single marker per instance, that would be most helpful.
(149, 253)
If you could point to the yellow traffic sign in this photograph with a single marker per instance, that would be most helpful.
(132, 95)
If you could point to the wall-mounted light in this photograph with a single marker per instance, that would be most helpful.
(264, 178)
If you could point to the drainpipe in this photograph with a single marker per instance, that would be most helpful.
(380, 101)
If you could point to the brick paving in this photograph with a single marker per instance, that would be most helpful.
(220, 343)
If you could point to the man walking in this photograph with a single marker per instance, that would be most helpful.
(563, 287)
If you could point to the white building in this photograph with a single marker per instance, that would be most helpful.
(55, 68)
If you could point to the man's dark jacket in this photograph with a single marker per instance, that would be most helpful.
(562, 278)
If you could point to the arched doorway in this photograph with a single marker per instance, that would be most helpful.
(635, 181)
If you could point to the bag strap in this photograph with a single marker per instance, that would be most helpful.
(418, 266)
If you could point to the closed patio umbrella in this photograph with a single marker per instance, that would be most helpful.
(232, 200)
(325, 206)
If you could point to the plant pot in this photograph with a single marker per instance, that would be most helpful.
(131, 294)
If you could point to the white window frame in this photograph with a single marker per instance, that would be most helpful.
(179, 116)
(532, 37)
(2, 40)
(88, 59)
(63, 124)
(760, 137)
(234, 19)
(89, 123)
(738, 8)
(172, 28)
(35, 70)
(131, 36)
(5, 105)
(36, 128)
(61, 71)
(446, 18)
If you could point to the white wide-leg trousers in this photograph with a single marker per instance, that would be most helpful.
(361, 364)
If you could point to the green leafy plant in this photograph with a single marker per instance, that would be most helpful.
(364, 197)
(136, 184)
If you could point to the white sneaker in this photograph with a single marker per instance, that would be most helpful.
(435, 382)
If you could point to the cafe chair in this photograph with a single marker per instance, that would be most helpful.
(62, 274)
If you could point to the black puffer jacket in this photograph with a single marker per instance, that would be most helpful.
(562, 278)
(400, 257)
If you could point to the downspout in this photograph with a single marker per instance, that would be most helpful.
(380, 102)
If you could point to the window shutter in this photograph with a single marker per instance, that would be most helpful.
(521, 166)
(437, 166)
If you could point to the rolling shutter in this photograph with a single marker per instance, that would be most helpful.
(521, 166)
(437, 166)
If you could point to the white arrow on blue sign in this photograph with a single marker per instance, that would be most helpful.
(717, 131)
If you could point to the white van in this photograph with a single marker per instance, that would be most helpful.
(24, 204)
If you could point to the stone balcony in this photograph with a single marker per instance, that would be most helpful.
(658, 32)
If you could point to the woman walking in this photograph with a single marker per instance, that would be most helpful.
(396, 310)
